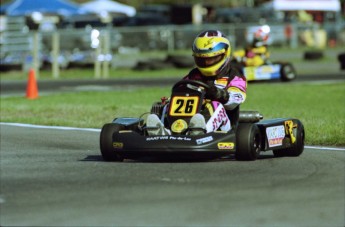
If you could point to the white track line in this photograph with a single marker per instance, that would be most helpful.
(50, 127)
(98, 130)
(326, 148)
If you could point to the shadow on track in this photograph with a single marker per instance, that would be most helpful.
(98, 158)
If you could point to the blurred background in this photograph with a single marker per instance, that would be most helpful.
(63, 33)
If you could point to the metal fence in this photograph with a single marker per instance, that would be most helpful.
(18, 42)
(175, 37)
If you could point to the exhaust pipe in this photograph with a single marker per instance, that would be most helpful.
(250, 116)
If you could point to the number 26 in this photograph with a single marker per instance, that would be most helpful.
(188, 106)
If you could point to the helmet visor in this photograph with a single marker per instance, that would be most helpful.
(204, 62)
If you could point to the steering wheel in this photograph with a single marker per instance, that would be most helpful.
(194, 83)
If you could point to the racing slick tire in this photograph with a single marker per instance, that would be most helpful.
(106, 142)
(248, 142)
(297, 148)
(341, 58)
(287, 72)
(313, 55)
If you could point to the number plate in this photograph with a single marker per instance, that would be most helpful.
(183, 106)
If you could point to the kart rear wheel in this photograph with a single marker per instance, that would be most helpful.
(287, 72)
(106, 142)
(248, 142)
(297, 148)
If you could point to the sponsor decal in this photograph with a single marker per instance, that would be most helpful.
(178, 138)
(236, 97)
(267, 72)
(208, 42)
(266, 69)
(275, 135)
(288, 130)
(204, 140)
(117, 145)
(262, 72)
(154, 138)
(218, 118)
(179, 126)
(226, 146)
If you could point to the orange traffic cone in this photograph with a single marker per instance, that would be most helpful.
(31, 88)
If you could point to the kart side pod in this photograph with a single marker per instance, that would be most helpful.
(284, 136)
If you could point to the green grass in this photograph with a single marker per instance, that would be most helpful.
(320, 107)
(87, 73)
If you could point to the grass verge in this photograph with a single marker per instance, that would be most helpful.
(320, 107)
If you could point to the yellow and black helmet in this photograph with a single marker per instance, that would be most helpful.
(211, 51)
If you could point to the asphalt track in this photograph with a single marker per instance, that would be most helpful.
(56, 177)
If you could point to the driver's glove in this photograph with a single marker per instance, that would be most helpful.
(217, 94)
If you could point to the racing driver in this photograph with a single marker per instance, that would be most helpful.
(257, 53)
(227, 87)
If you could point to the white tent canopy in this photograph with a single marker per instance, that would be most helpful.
(101, 6)
(314, 5)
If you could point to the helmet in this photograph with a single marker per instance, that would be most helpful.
(261, 36)
(211, 52)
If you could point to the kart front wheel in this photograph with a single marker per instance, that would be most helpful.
(297, 148)
(248, 142)
(106, 142)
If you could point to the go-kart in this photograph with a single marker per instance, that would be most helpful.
(128, 138)
(283, 71)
